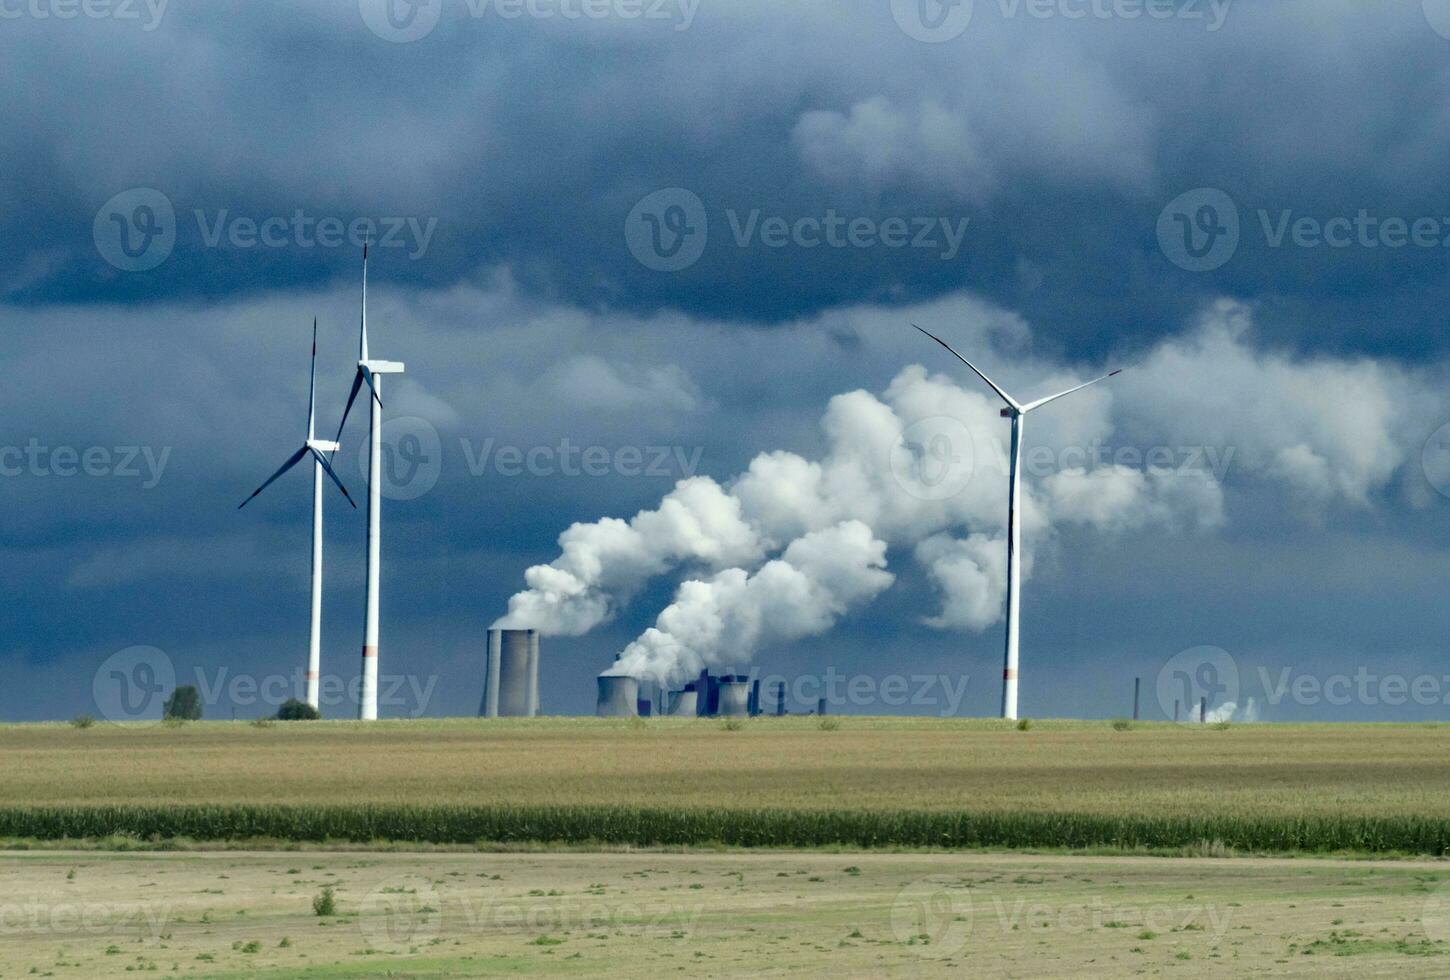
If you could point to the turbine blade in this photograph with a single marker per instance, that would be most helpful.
(312, 387)
(327, 468)
(992, 384)
(293, 461)
(357, 381)
(1063, 394)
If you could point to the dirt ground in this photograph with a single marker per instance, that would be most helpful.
(87, 914)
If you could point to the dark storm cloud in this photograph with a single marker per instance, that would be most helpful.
(527, 137)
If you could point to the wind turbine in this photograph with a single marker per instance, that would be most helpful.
(1014, 411)
(368, 371)
(313, 447)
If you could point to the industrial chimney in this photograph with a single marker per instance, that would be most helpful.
(685, 703)
(734, 696)
(618, 696)
(511, 684)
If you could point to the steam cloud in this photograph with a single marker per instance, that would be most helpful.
(792, 545)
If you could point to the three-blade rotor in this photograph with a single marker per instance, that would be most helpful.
(312, 446)
(1015, 406)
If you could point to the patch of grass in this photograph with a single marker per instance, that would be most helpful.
(1349, 943)
(82, 721)
(829, 724)
(732, 724)
(1122, 725)
(1024, 725)
(325, 903)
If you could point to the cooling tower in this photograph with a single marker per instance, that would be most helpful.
(734, 697)
(618, 696)
(685, 703)
(511, 685)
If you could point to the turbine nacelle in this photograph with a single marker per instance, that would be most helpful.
(381, 367)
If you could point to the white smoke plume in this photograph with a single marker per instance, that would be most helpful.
(605, 563)
(818, 578)
(1230, 711)
(781, 551)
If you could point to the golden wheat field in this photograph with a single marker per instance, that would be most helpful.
(864, 764)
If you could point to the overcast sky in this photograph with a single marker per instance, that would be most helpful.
(625, 243)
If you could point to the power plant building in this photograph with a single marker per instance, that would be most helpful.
(618, 696)
(511, 683)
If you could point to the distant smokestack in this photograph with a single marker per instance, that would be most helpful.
(686, 703)
(754, 698)
(1137, 683)
(511, 684)
(712, 702)
(821, 706)
(779, 698)
(734, 697)
(618, 696)
(1202, 710)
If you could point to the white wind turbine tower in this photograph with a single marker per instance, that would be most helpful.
(1015, 411)
(368, 371)
(315, 448)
